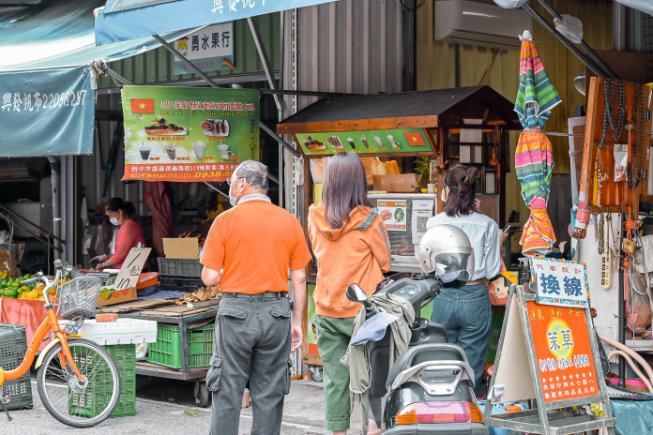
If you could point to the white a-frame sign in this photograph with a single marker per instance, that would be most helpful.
(547, 353)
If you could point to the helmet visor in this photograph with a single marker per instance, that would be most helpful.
(450, 267)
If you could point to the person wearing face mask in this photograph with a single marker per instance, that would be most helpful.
(466, 312)
(250, 251)
(130, 234)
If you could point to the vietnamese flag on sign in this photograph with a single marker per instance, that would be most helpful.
(142, 105)
(415, 139)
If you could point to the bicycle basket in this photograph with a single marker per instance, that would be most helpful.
(77, 298)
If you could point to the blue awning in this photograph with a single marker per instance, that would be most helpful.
(121, 20)
(47, 98)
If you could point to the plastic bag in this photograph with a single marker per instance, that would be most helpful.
(639, 313)
(620, 162)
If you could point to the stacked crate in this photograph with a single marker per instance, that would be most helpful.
(95, 397)
(167, 349)
(13, 345)
(180, 274)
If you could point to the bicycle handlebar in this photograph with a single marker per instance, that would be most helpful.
(48, 284)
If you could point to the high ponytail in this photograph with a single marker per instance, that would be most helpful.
(461, 181)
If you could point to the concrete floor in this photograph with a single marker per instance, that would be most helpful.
(167, 408)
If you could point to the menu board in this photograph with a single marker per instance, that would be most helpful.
(409, 140)
(188, 134)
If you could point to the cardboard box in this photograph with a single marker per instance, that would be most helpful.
(181, 248)
(402, 183)
(114, 297)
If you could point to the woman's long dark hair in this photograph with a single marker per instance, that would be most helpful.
(116, 204)
(345, 187)
(461, 181)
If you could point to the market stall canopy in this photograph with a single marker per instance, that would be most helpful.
(121, 20)
(421, 109)
(394, 123)
(46, 83)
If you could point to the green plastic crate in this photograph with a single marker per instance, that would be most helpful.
(167, 349)
(98, 394)
(13, 345)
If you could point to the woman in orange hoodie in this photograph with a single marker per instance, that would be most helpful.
(351, 245)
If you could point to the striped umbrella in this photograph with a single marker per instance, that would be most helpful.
(534, 155)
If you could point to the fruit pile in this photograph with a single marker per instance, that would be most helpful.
(12, 288)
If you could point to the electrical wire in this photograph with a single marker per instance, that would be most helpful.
(623, 348)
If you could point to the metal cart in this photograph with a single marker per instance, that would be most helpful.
(204, 315)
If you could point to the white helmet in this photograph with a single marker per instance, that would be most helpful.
(446, 252)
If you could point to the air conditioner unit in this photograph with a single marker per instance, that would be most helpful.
(473, 23)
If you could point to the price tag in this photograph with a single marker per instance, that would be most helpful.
(131, 268)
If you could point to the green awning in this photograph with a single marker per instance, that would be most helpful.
(47, 104)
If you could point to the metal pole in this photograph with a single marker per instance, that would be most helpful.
(279, 139)
(622, 310)
(187, 62)
(580, 55)
(618, 26)
(263, 55)
(280, 152)
(588, 50)
(55, 164)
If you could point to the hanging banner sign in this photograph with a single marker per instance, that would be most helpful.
(188, 134)
(120, 20)
(563, 351)
(561, 283)
(47, 113)
(209, 49)
(410, 140)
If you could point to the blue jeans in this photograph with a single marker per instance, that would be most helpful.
(466, 313)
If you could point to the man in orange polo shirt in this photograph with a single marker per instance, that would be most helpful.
(249, 251)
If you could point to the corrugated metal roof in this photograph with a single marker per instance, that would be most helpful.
(448, 104)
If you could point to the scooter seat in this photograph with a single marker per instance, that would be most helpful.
(423, 353)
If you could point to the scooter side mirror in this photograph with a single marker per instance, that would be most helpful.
(356, 294)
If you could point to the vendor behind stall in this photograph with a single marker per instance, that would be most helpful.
(130, 234)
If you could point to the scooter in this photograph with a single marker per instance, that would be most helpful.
(429, 389)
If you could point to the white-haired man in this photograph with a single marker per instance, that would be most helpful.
(249, 251)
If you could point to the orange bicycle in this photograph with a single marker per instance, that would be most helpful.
(78, 382)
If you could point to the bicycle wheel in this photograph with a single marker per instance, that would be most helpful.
(75, 403)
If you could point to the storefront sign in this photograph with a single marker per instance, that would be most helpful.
(209, 49)
(561, 283)
(188, 134)
(563, 352)
(410, 140)
(50, 117)
(393, 213)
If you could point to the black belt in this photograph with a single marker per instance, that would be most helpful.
(264, 295)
